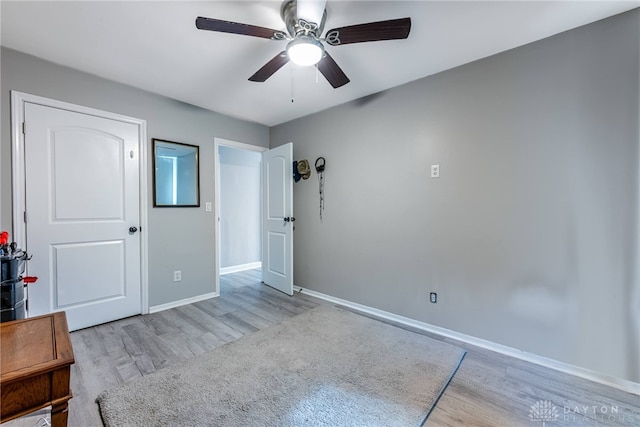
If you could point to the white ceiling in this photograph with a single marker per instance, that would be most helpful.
(154, 45)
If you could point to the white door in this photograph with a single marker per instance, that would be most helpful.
(277, 218)
(82, 211)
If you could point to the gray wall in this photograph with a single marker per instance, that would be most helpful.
(239, 206)
(179, 238)
(528, 236)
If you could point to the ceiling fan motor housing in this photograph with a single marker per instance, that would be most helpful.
(297, 27)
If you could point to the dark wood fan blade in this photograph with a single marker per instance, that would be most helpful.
(332, 71)
(373, 31)
(270, 67)
(238, 28)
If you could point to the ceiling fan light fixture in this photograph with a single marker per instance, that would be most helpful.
(305, 50)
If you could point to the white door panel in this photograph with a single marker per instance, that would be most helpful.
(75, 285)
(277, 241)
(82, 195)
(276, 177)
(101, 167)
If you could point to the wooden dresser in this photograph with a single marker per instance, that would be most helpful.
(35, 367)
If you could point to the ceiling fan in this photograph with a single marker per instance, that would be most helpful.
(304, 20)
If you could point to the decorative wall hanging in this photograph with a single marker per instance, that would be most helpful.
(320, 163)
(301, 169)
(304, 169)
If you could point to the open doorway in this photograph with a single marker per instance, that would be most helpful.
(238, 213)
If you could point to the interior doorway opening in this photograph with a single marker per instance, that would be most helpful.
(238, 213)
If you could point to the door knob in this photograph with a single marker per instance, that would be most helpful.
(287, 219)
(133, 229)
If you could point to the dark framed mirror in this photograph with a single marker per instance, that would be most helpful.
(176, 174)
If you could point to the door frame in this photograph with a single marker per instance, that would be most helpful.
(18, 164)
(217, 143)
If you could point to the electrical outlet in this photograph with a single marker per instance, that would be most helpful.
(177, 276)
(207, 207)
(435, 171)
(433, 297)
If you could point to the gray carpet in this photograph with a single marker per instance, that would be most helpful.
(325, 367)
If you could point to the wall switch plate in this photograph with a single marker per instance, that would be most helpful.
(177, 275)
(435, 171)
(433, 297)
(207, 206)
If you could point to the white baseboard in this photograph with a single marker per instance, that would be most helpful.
(241, 267)
(599, 377)
(174, 304)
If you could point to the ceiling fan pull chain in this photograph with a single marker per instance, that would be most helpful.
(317, 72)
(292, 83)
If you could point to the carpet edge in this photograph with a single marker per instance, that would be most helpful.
(444, 387)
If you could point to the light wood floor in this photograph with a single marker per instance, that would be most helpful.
(489, 389)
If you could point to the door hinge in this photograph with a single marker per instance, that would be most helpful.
(24, 128)
(25, 217)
